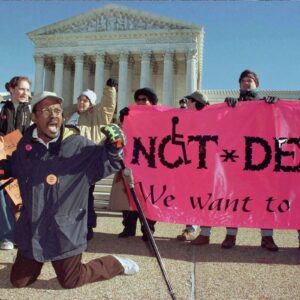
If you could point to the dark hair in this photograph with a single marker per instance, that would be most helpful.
(198, 104)
(149, 93)
(15, 82)
(251, 74)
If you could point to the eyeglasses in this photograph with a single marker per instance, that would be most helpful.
(47, 111)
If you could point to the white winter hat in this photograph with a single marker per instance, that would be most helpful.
(89, 94)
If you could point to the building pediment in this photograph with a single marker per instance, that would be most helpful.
(112, 18)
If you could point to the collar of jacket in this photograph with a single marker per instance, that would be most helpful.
(65, 132)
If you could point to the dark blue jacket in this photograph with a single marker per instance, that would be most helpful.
(54, 186)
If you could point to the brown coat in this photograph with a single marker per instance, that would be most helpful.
(91, 121)
(118, 200)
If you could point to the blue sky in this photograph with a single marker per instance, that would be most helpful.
(259, 35)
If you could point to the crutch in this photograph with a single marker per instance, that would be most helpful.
(129, 179)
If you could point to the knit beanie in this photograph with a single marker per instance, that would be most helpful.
(148, 92)
(90, 95)
(251, 74)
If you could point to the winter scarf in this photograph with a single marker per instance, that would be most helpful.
(248, 95)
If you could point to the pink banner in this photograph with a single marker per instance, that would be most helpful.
(221, 166)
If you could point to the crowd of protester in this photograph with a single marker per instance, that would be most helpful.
(63, 152)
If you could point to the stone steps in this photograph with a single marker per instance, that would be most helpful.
(102, 193)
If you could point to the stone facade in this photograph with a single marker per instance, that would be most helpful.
(137, 48)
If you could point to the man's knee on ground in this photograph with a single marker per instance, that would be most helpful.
(71, 284)
(21, 283)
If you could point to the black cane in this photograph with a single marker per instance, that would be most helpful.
(6, 183)
(147, 228)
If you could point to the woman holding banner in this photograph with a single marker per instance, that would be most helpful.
(118, 197)
(15, 113)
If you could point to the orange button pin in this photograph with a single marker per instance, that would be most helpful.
(51, 179)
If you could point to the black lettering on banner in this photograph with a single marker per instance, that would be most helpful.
(203, 140)
(175, 135)
(167, 200)
(220, 203)
(269, 200)
(199, 201)
(284, 206)
(249, 141)
(174, 141)
(161, 154)
(279, 154)
(139, 147)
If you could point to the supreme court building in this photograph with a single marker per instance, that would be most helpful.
(137, 48)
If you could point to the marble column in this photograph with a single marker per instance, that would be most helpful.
(99, 75)
(58, 74)
(145, 79)
(49, 71)
(168, 79)
(123, 76)
(107, 68)
(78, 77)
(191, 68)
(86, 74)
(67, 82)
(131, 63)
(39, 73)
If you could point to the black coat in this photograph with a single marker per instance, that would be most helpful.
(11, 120)
(54, 185)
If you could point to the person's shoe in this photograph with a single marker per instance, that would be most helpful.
(186, 235)
(90, 234)
(268, 243)
(229, 241)
(6, 245)
(125, 234)
(130, 266)
(200, 240)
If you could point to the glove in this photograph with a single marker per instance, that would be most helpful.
(112, 82)
(271, 99)
(123, 112)
(114, 135)
(231, 101)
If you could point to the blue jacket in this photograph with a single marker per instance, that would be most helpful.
(54, 186)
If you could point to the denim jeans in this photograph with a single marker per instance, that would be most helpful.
(7, 218)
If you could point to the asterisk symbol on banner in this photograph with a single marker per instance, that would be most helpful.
(229, 155)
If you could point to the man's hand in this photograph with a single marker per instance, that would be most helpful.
(123, 112)
(231, 101)
(112, 82)
(271, 99)
(114, 135)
